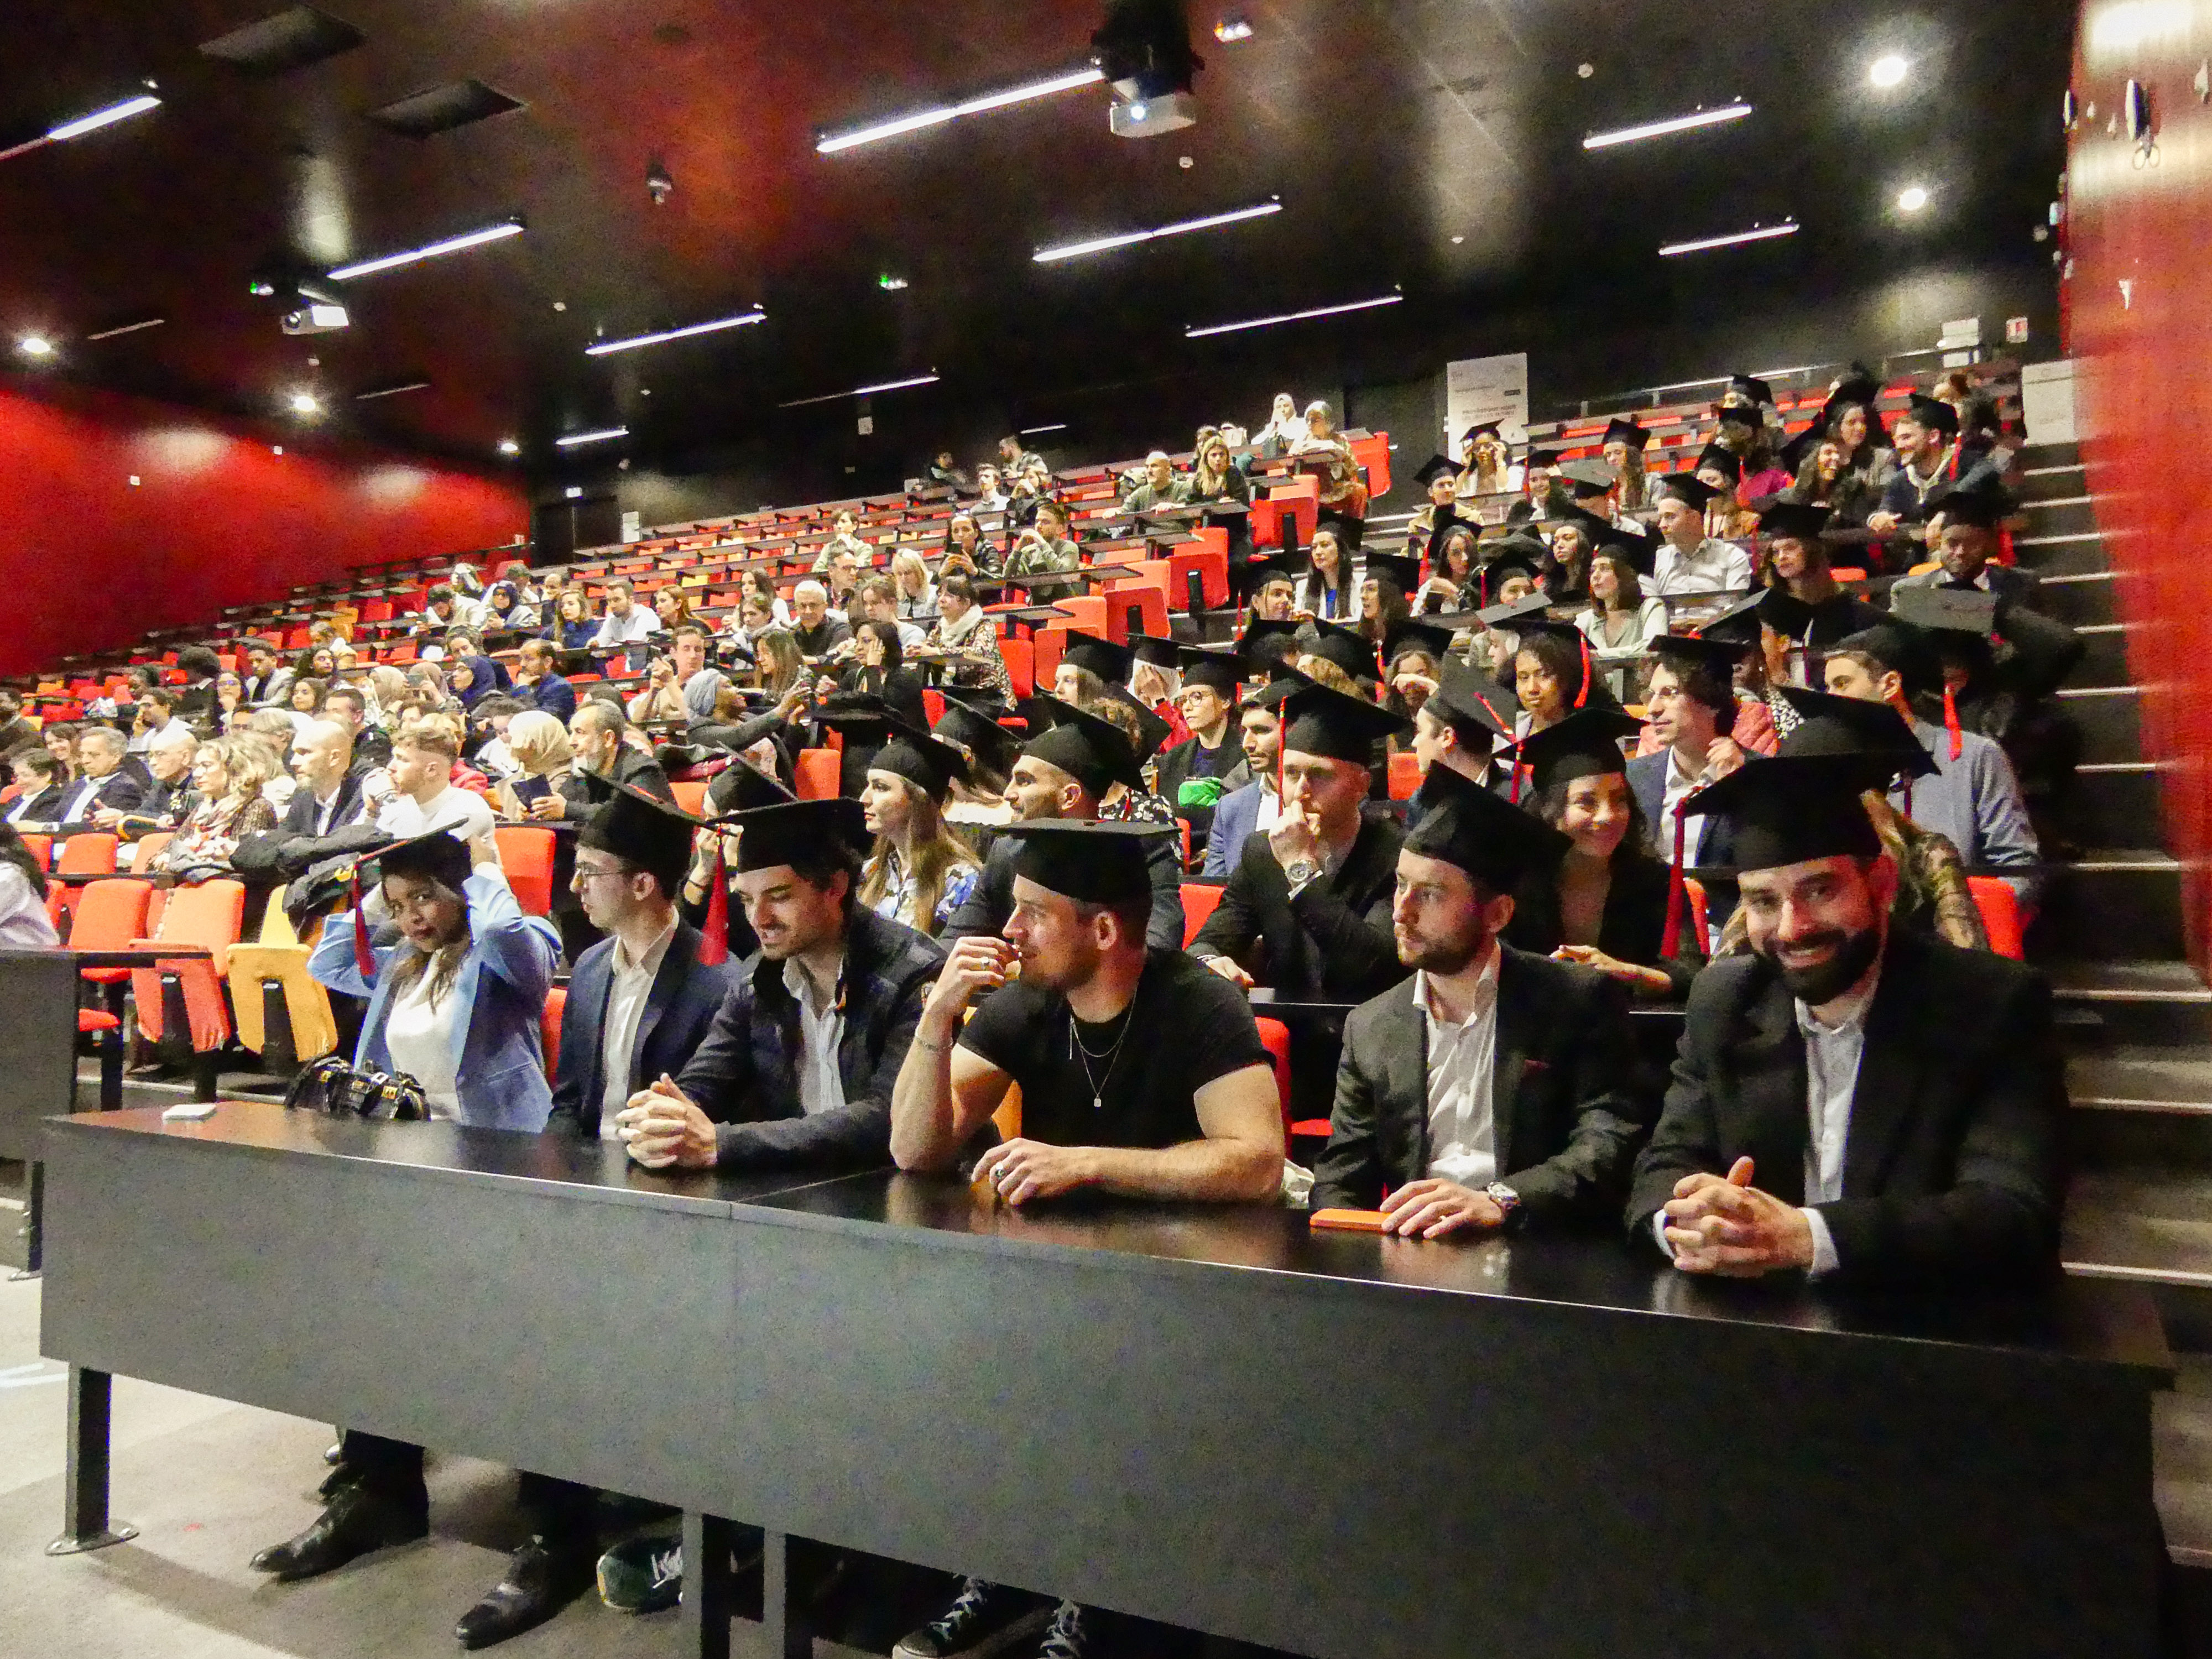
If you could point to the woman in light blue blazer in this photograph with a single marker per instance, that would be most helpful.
(459, 984)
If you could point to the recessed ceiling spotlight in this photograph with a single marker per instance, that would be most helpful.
(1583, 72)
(415, 255)
(1045, 256)
(1673, 124)
(606, 347)
(1912, 198)
(1229, 30)
(937, 115)
(508, 446)
(1887, 70)
(35, 345)
(1456, 240)
(306, 403)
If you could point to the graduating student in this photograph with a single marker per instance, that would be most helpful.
(1141, 1075)
(1689, 561)
(1194, 775)
(1931, 458)
(1498, 1090)
(1972, 515)
(1803, 605)
(1458, 730)
(919, 872)
(1623, 448)
(798, 1066)
(1253, 808)
(1832, 1111)
(1440, 478)
(1063, 771)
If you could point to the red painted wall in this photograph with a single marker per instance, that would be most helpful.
(89, 560)
(2144, 382)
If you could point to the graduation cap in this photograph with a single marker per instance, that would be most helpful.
(1737, 626)
(1437, 466)
(1546, 458)
(1290, 565)
(1322, 720)
(740, 788)
(1790, 810)
(1792, 454)
(1595, 528)
(1935, 413)
(1750, 386)
(861, 712)
(1419, 634)
(1476, 830)
(1955, 611)
(1860, 385)
(1089, 862)
(1830, 724)
(922, 760)
(1685, 488)
(1095, 752)
(1984, 504)
(1515, 613)
(1153, 648)
(1621, 429)
(1699, 651)
(1737, 415)
(439, 856)
(800, 831)
(1899, 647)
(978, 732)
(1267, 643)
(1496, 429)
(1476, 708)
(1401, 569)
(1151, 730)
(1640, 545)
(1586, 479)
(1110, 662)
(641, 831)
(1794, 519)
(1217, 667)
(1348, 648)
(1585, 744)
(1449, 522)
(1721, 459)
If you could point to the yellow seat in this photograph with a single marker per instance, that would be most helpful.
(280, 959)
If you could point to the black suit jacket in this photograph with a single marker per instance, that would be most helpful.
(120, 789)
(1566, 1109)
(46, 807)
(302, 811)
(1952, 1168)
(679, 1007)
(1632, 929)
(1332, 941)
(991, 899)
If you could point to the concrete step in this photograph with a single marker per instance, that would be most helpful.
(2143, 1222)
(2108, 718)
(2112, 905)
(2058, 552)
(2056, 515)
(2104, 1005)
(2141, 1107)
(2116, 801)
(2181, 1460)
(2104, 655)
(2079, 597)
(2032, 458)
(2042, 481)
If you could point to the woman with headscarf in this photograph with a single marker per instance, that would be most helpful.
(1283, 429)
(538, 745)
(1322, 451)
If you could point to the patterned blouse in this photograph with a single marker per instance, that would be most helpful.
(898, 902)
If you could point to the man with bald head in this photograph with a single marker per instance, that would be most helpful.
(329, 796)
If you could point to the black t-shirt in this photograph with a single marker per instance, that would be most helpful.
(1186, 1027)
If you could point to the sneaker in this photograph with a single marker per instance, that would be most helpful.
(643, 1574)
(1064, 1638)
(983, 1619)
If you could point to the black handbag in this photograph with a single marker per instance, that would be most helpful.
(332, 1087)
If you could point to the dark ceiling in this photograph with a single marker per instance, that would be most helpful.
(1435, 147)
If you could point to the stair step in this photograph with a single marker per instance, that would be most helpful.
(2159, 1003)
(2133, 1078)
(2109, 719)
(2181, 1460)
(2116, 800)
(2056, 516)
(2072, 552)
(2077, 597)
(2139, 1224)
(2113, 904)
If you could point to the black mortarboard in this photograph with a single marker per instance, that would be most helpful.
(641, 830)
(1792, 454)
(1435, 467)
(1747, 385)
(921, 760)
(1151, 730)
(1479, 831)
(439, 856)
(1586, 744)
(1791, 811)
(1473, 705)
(1404, 571)
(1348, 648)
(1621, 429)
(1641, 545)
(1902, 649)
(1548, 457)
(1267, 643)
(1110, 662)
(1719, 655)
(1091, 863)
(1738, 625)
(1984, 504)
(1935, 413)
(800, 831)
(1153, 648)
(1322, 720)
(1095, 752)
(1946, 610)
(1218, 667)
(1860, 385)
(1494, 427)
(1830, 724)
(1596, 529)
(1447, 524)
(741, 787)
(1416, 632)
(1794, 519)
(976, 732)
(1516, 615)
(1289, 566)
(1686, 488)
(1723, 460)
(1588, 478)
(861, 712)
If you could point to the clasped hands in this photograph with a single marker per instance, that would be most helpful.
(663, 1127)
(1727, 1227)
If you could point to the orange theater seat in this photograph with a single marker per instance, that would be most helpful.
(1373, 454)
(690, 795)
(1212, 565)
(211, 915)
(1138, 606)
(1020, 657)
(109, 915)
(525, 854)
(2000, 919)
(1267, 517)
(1405, 775)
(816, 774)
(549, 1030)
(1275, 1038)
(1199, 900)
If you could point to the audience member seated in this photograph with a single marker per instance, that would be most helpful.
(1499, 1090)
(1689, 561)
(875, 599)
(1930, 458)
(1826, 479)
(268, 681)
(600, 735)
(15, 731)
(1330, 592)
(1621, 620)
(626, 623)
(25, 923)
(919, 873)
(103, 781)
(1971, 519)
(1831, 1112)
(844, 538)
(818, 629)
(1321, 450)
(1044, 549)
(1689, 701)
(917, 593)
(505, 610)
(42, 786)
(1253, 808)
(228, 774)
(425, 798)
(1803, 605)
(1161, 487)
(441, 609)
(573, 626)
(1196, 774)
(154, 715)
(539, 745)
(329, 798)
(661, 702)
(168, 800)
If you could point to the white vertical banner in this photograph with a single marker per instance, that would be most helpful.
(1480, 389)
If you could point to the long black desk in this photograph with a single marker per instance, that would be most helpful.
(1336, 1443)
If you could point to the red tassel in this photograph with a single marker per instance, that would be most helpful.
(363, 957)
(1513, 792)
(1951, 722)
(1581, 643)
(714, 937)
(1670, 942)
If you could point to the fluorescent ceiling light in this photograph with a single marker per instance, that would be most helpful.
(1703, 117)
(374, 393)
(862, 390)
(1102, 244)
(575, 438)
(103, 118)
(944, 112)
(1763, 233)
(606, 347)
(1032, 431)
(451, 244)
(1887, 70)
(1291, 317)
(127, 328)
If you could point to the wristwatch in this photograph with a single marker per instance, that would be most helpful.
(1299, 873)
(1507, 1200)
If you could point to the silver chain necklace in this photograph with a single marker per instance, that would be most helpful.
(1113, 1055)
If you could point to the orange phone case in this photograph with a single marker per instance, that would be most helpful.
(1353, 1221)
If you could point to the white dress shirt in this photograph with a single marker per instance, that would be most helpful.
(419, 1037)
(24, 923)
(626, 998)
(1832, 1077)
(1711, 567)
(1461, 1066)
(1679, 783)
(640, 624)
(462, 811)
(821, 1028)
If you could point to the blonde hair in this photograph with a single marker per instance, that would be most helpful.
(248, 765)
(907, 560)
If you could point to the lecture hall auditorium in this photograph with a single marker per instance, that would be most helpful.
(1110, 829)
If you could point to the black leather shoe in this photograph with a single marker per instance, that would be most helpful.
(357, 1522)
(341, 1476)
(542, 1579)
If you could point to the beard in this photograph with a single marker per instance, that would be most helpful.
(1441, 956)
(1850, 957)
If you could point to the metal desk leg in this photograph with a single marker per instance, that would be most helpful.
(782, 1620)
(34, 1214)
(707, 1544)
(85, 1522)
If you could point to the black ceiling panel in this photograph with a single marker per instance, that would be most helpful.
(287, 40)
(440, 109)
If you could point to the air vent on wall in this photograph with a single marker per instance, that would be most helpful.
(440, 109)
(284, 41)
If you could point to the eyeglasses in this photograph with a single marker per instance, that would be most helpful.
(584, 872)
